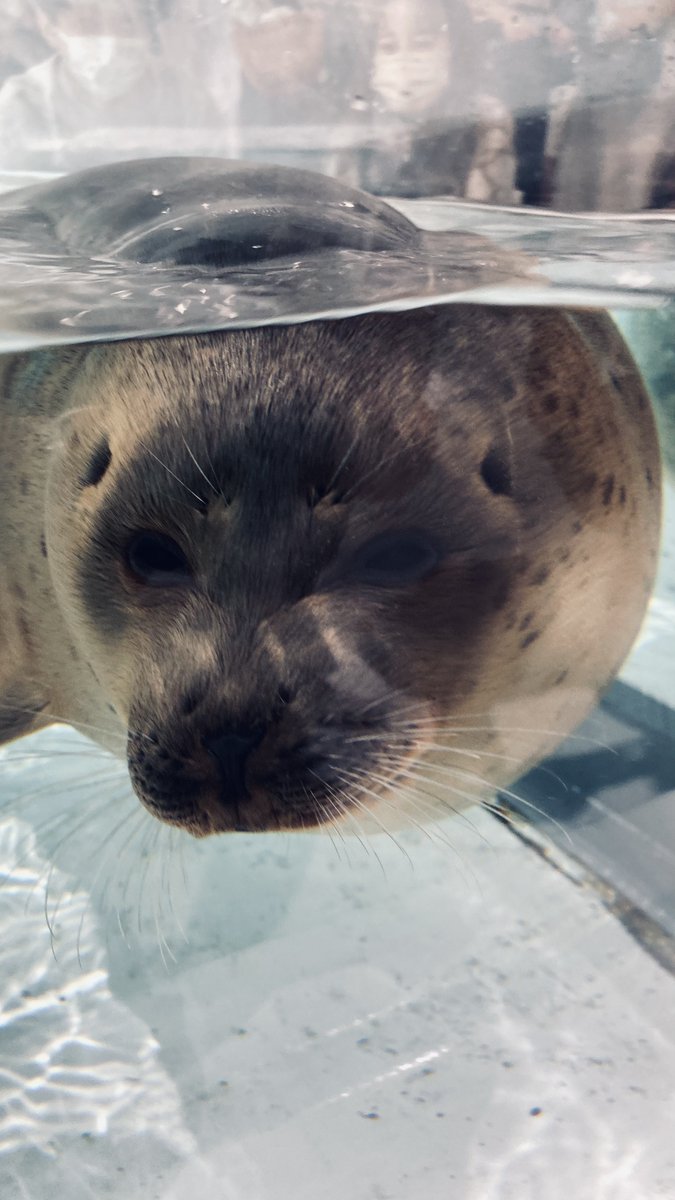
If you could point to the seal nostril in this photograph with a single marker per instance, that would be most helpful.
(231, 748)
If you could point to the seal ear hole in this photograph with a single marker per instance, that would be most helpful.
(157, 560)
(98, 464)
(496, 474)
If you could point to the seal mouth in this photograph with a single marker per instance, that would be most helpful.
(308, 788)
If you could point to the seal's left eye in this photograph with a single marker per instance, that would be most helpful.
(395, 559)
(157, 560)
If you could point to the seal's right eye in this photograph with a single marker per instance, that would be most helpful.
(156, 560)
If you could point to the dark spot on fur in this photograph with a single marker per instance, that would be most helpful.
(608, 490)
(564, 556)
(616, 381)
(560, 678)
(527, 620)
(24, 485)
(649, 478)
(496, 474)
(622, 495)
(550, 403)
(43, 545)
(75, 439)
(501, 595)
(577, 527)
(98, 464)
(530, 638)
(574, 410)
(540, 576)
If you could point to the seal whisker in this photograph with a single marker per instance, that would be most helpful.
(427, 825)
(172, 473)
(141, 835)
(456, 730)
(472, 777)
(170, 850)
(481, 754)
(158, 915)
(415, 797)
(105, 845)
(73, 787)
(59, 720)
(499, 811)
(341, 809)
(346, 812)
(328, 816)
(440, 748)
(343, 463)
(214, 487)
(418, 776)
(147, 844)
(365, 790)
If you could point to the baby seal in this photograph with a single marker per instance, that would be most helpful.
(278, 568)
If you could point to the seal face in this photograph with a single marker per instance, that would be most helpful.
(279, 568)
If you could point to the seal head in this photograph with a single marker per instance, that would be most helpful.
(292, 562)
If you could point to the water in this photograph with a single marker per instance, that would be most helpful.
(260, 1017)
(180, 245)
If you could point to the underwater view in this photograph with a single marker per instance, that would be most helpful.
(337, 600)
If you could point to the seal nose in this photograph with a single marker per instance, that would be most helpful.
(231, 748)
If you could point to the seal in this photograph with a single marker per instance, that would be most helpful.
(298, 574)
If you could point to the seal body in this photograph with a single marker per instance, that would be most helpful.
(299, 574)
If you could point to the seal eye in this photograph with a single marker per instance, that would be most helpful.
(157, 560)
(395, 559)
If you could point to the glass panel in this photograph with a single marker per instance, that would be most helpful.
(261, 551)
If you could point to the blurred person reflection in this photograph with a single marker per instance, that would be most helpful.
(411, 59)
(616, 126)
(300, 66)
(520, 52)
(430, 137)
(87, 102)
(196, 46)
(21, 43)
